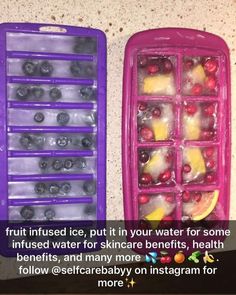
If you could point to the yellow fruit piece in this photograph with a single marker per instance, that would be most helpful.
(156, 164)
(192, 127)
(160, 129)
(155, 217)
(198, 74)
(205, 206)
(195, 159)
(159, 84)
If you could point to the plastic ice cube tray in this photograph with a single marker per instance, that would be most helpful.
(52, 123)
(176, 127)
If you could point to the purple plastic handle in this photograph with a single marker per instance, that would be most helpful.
(100, 83)
(178, 42)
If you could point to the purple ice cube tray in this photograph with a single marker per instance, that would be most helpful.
(176, 127)
(52, 123)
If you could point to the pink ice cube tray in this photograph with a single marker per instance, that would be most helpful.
(176, 127)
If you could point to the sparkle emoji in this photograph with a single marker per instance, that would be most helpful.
(131, 283)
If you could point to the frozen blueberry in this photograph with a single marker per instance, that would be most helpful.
(68, 164)
(57, 165)
(81, 163)
(26, 141)
(27, 212)
(87, 142)
(66, 187)
(90, 210)
(49, 214)
(87, 93)
(39, 117)
(62, 141)
(54, 189)
(89, 187)
(43, 164)
(85, 45)
(38, 141)
(22, 92)
(40, 188)
(45, 68)
(63, 118)
(77, 69)
(55, 93)
(37, 92)
(29, 68)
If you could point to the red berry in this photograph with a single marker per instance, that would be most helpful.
(169, 198)
(152, 69)
(191, 109)
(156, 112)
(145, 179)
(210, 177)
(196, 89)
(169, 157)
(209, 110)
(168, 259)
(208, 152)
(166, 66)
(210, 65)
(143, 199)
(210, 82)
(142, 61)
(210, 164)
(207, 135)
(197, 197)
(142, 106)
(163, 259)
(188, 64)
(187, 168)
(143, 157)
(165, 176)
(186, 196)
(146, 134)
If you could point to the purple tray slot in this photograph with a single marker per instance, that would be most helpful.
(177, 43)
(49, 201)
(100, 130)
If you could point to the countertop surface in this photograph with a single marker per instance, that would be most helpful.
(120, 19)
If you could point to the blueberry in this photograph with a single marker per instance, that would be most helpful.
(39, 117)
(37, 92)
(38, 141)
(55, 93)
(57, 165)
(40, 188)
(26, 141)
(49, 214)
(89, 187)
(87, 93)
(90, 209)
(81, 163)
(22, 92)
(63, 118)
(54, 189)
(87, 142)
(27, 212)
(85, 45)
(68, 164)
(62, 141)
(43, 164)
(77, 69)
(29, 68)
(66, 187)
(45, 68)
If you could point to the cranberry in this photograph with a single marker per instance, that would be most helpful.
(208, 152)
(197, 197)
(186, 196)
(196, 89)
(210, 65)
(165, 176)
(210, 82)
(146, 133)
(169, 157)
(143, 157)
(168, 259)
(163, 259)
(156, 113)
(188, 64)
(145, 179)
(166, 66)
(187, 168)
(210, 164)
(143, 199)
(207, 135)
(152, 69)
(142, 106)
(209, 110)
(142, 61)
(191, 109)
(169, 198)
(210, 177)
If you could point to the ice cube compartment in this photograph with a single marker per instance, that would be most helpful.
(176, 122)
